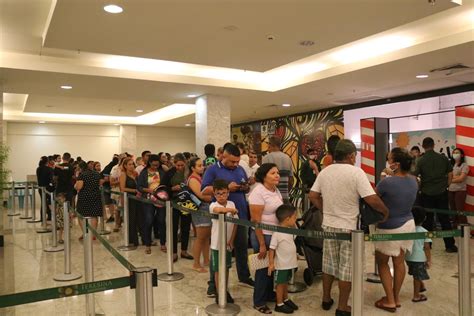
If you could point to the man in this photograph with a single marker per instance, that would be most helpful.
(145, 155)
(209, 151)
(336, 192)
(309, 170)
(436, 174)
(284, 164)
(63, 176)
(228, 169)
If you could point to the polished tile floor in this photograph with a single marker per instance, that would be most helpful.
(24, 266)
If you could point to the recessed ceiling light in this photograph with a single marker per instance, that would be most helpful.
(112, 8)
(66, 87)
(192, 95)
(187, 125)
(422, 76)
(41, 122)
(116, 124)
(286, 104)
(139, 110)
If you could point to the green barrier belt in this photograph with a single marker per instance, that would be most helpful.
(449, 212)
(413, 236)
(63, 291)
(115, 253)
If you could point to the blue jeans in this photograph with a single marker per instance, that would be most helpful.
(146, 222)
(263, 290)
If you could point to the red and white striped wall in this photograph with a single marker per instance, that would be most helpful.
(367, 137)
(465, 140)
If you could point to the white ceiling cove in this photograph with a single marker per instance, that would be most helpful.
(155, 54)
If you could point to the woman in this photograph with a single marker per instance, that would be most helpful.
(264, 200)
(173, 180)
(128, 184)
(89, 203)
(148, 180)
(331, 144)
(457, 188)
(398, 192)
(115, 186)
(97, 166)
(202, 223)
(164, 161)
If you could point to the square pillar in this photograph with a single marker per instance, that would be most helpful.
(375, 133)
(128, 139)
(212, 122)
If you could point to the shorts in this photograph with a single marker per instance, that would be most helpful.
(337, 256)
(392, 248)
(202, 221)
(283, 276)
(418, 270)
(215, 260)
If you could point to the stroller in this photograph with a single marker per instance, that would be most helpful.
(312, 248)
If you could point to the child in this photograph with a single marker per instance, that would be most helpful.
(419, 259)
(282, 258)
(222, 206)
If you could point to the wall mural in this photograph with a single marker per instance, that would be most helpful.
(298, 134)
(444, 138)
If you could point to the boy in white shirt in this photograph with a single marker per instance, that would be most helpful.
(222, 206)
(282, 258)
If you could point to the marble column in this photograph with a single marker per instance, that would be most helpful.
(128, 139)
(212, 122)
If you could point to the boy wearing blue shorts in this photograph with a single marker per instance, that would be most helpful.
(282, 258)
(222, 206)
(419, 259)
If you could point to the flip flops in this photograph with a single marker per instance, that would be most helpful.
(422, 298)
(380, 304)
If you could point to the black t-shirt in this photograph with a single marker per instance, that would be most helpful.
(64, 178)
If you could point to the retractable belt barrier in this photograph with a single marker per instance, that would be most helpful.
(314, 233)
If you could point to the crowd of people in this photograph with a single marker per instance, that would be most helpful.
(232, 182)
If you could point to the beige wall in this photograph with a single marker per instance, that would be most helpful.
(28, 142)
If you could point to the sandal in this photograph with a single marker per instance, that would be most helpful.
(187, 256)
(422, 298)
(263, 309)
(199, 270)
(81, 238)
(380, 304)
(148, 251)
(163, 249)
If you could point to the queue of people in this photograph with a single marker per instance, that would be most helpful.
(226, 183)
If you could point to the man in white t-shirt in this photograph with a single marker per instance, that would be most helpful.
(145, 155)
(337, 192)
(252, 169)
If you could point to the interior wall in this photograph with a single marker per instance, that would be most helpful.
(29, 141)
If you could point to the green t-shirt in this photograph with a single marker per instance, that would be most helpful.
(209, 161)
(433, 168)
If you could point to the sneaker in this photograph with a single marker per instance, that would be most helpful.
(342, 313)
(247, 283)
(327, 305)
(211, 292)
(452, 249)
(291, 304)
(285, 309)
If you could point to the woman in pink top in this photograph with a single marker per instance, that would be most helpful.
(264, 201)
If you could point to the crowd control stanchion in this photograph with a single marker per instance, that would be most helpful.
(170, 275)
(12, 211)
(26, 204)
(54, 247)
(222, 308)
(464, 266)
(102, 230)
(43, 228)
(295, 287)
(67, 275)
(33, 206)
(144, 291)
(126, 243)
(357, 237)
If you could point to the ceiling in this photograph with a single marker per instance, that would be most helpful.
(42, 56)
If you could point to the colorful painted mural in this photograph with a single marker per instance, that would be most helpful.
(445, 139)
(298, 134)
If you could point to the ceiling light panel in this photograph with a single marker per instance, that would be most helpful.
(113, 8)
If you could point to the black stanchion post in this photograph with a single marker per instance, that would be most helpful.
(67, 275)
(144, 291)
(126, 238)
(44, 228)
(464, 266)
(357, 272)
(54, 247)
(222, 308)
(170, 275)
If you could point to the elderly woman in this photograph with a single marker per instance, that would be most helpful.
(264, 201)
(398, 193)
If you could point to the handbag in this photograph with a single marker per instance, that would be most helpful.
(257, 264)
(368, 216)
